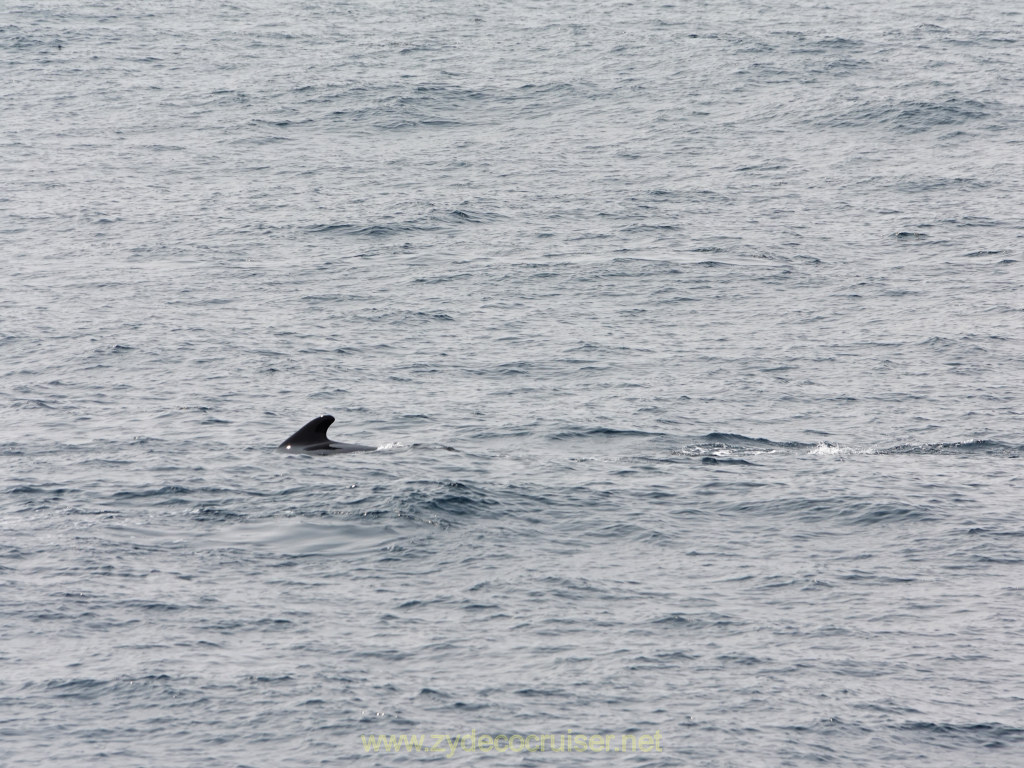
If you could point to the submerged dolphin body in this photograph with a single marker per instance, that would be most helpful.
(713, 460)
(313, 438)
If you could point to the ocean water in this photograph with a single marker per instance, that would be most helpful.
(691, 336)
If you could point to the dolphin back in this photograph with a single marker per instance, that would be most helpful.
(312, 436)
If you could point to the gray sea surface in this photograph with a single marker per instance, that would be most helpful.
(690, 337)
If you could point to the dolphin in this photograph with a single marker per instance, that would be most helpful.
(313, 438)
(713, 460)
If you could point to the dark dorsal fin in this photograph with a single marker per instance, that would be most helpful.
(314, 433)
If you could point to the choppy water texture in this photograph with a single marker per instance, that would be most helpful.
(690, 334)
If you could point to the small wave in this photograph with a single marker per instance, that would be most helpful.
(173, 491)
(405, 316)
(372, 230)
(726, 448)
(215, 515)
(968, 447)
(432, 501)
(466, 216)
(31, 403)
(914, 116)
(832, 449)
(697, 620)
(78, 687)
(854, 511)
(584, 432)
(990, 735)
(396, 446)
(730, 439)
(870, 512)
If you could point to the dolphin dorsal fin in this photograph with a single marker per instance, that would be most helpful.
(313, 433)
